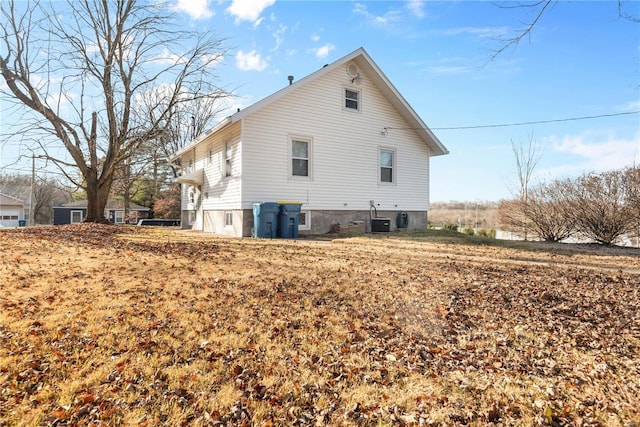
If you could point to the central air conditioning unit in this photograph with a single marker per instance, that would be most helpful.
(380, 225)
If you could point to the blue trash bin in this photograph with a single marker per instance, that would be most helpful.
(288, 220)
(22, 223)
(265, 220)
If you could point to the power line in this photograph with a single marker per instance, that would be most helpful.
(537, 122)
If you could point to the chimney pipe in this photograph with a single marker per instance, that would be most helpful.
(290, 80)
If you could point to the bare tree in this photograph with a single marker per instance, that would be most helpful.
(527, 158)
(548, 211)
(631, 177)
(599, 205)
(511, 216)
(81, 68)
(539, 8)
(189, 119)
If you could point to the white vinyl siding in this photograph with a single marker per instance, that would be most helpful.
(228, 159)
(220, 157)
(345, 156)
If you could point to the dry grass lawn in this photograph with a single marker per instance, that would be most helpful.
(105, 325)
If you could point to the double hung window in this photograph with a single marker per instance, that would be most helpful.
(300, 157)
(387, 166)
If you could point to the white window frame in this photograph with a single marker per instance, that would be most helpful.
(211, 155)
(309, 158)
(394, 167)
(227, 159)
(307, 224)
(118, 217)
(71, 221)
(228, 219)
(345, 99)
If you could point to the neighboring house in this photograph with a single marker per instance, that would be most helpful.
(12, 211)
(338, 141)
(75, 212)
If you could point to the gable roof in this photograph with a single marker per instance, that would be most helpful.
(6, 199)
(371, 69)
(111, 205)
(18, 192)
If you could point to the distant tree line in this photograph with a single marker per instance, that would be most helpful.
(602, 207)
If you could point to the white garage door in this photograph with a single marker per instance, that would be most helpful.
(9, 218)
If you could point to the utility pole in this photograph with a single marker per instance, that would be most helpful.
(32, 197)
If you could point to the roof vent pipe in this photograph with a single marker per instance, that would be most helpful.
(290, 78)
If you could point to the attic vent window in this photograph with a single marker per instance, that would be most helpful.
(352, 99)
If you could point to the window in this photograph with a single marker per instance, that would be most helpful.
(300, 150)
(387, 159)
(351, 99)
(228, 219)
(227, 159)
(76, 217)
(211, 155)
(119, 217)
(304, 220)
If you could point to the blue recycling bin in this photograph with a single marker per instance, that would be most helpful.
(265, 220)
(288, 220)
(22, 223)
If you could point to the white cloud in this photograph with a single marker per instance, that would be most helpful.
(212, 60)
(315, 37)
(166, 57)
(323, 51)
(450, 69)
(248, 10)
(482, 32)
(380, 20)
(197, 9)
(279, 36)
(416, 8)
(598, 151)
(250, 61)
(631, 106)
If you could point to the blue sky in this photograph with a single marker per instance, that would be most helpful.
(580, 60)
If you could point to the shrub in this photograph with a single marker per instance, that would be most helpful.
(491, 233)
(469, 231)
(450, 226)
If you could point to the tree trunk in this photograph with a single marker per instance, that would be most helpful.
(97, 197)
(127, 191)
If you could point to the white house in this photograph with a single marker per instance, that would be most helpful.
(340, 141)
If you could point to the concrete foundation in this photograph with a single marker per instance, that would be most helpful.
(320, 222)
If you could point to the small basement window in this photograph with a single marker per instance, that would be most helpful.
(228, 219)
(304, 220)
